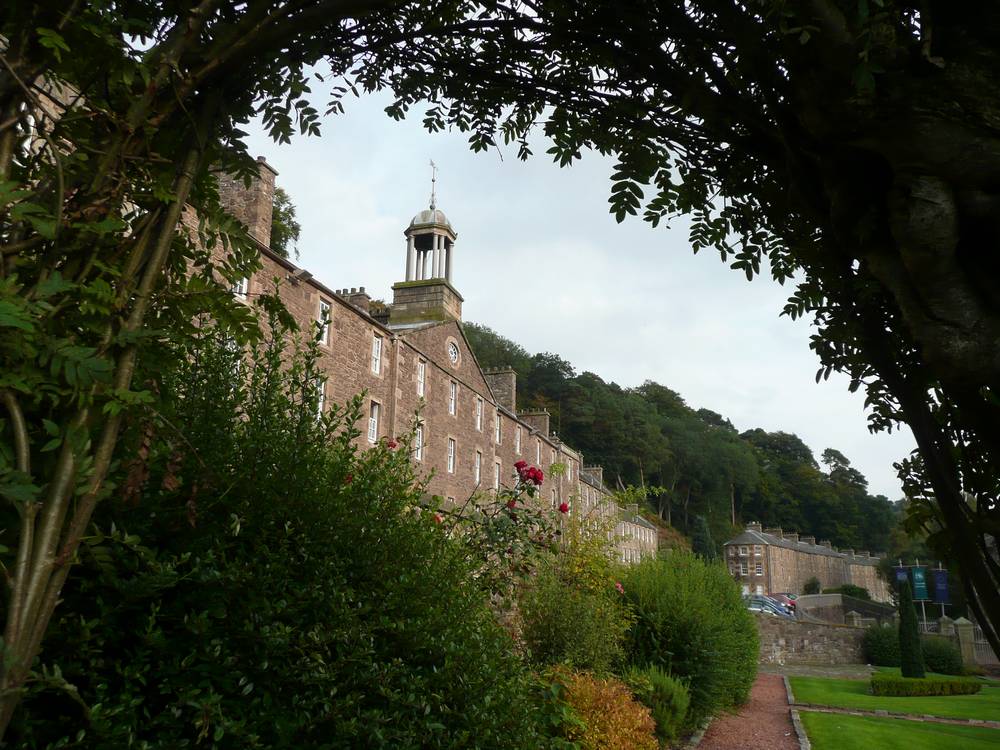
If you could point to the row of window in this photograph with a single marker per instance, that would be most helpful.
(744, 551)
(744, 568)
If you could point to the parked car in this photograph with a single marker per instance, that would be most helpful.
(766, 605)
(786, 599)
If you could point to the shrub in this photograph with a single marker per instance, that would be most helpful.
(849, 589)
(811, 586)
(666, 697)
(911, 658)
(881, 646)
(565, 623)
(886, 684)
(691, 621)
(612, 718)
(942, 656)
(274, 589)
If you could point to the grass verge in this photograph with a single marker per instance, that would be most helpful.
(823, 691)
(842, 732)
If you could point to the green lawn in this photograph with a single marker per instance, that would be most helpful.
(854, 694)
(840, 732)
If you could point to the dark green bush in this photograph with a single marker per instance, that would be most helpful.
(887, 684)
(849, 589)
(881, 646)
(666, 697)
(942, 656)
(275, 589)
(564, 623)
(911, 657)
(811, 586)
(691, 621)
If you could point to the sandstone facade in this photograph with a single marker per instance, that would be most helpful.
(416, 364)
(770, 560)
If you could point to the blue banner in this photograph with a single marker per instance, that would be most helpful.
(901, 575)
(919, 584)
(941, 586)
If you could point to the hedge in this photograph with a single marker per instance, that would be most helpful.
(886, 684)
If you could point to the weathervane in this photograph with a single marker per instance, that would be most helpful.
(433, 184)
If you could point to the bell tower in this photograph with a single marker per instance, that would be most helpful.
(427, 293)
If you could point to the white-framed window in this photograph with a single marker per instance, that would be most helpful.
(478, 472)
(517, 440)
(744, 568)
(499, 430)
(320, 396)
(323, 321)
(759, 569)
(552, 498)
(451, 455)
(569, 471)
(241, 289)
(376, 353)
(496, 475)
(452, 398)
(744, 551)
(538, 452)
(479, 414)
(373, 415)
(552, 457)
(758, 550)
(421, 376)
(418, 443)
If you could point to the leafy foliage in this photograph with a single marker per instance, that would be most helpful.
(285, 228)
(942, 656)
(613, 718)
(666, 697)
(274, 587)
(812, 586)
(701, 540)
(691, 622)
(850, 589)
(881, 646)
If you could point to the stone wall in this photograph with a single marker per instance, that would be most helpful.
(786, 641)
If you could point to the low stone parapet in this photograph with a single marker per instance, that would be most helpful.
(787, 641)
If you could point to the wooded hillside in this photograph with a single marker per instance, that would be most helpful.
(649, 436)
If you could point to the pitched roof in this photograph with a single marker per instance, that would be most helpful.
(751, 536)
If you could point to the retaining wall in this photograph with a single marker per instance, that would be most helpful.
(785, 641)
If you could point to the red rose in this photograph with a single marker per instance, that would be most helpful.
(348, 479)
(437, 518)
(392, 445)
(619, 588)
(520, 465)
(512, 504)
(564, 508)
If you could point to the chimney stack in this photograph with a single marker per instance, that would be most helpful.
(252, 205)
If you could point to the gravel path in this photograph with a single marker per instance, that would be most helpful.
(764, 723)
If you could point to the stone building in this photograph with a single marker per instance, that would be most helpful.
(772, 560)
(414, 357)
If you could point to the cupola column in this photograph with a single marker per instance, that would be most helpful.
(437, 256)
(411, 259)
(447, 268)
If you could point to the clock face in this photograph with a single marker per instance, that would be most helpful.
(453, 353)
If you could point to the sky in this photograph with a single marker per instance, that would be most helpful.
(626, 301)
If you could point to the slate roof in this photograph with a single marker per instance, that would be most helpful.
(751, 536)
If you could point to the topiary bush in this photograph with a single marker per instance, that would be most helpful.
(812, 586)
(911, 658)
(612, 719)
(849, 589)
(274, 588)
(881, 646)
(666, 697)
(888, 684)
(942, 656)
(691, 622)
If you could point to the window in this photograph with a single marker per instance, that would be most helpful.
(452, 397)
(241, 288)
(323, 321)
(421, 377)
(451, 455)
(478, 466)
(758, 550)
(552, 498)
(373, 413)
(569, 471)
(496, 475)
(376, 354)
(498, 430)
(744, 569)
(517, 440)
(744, 551)
(418, 443)
(552, 456)
(538, 452)
(479, 414)
(759, 569)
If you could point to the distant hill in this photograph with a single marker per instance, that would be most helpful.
(649, 436)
